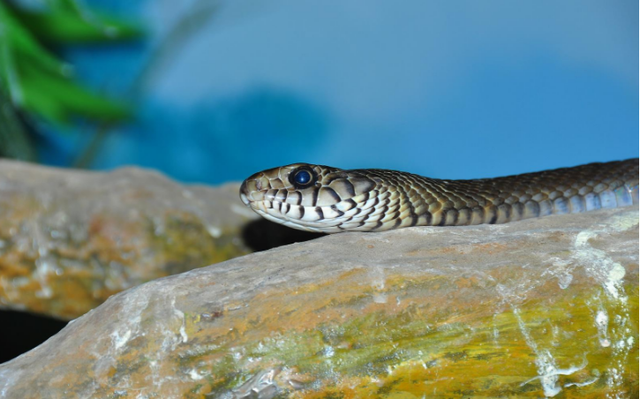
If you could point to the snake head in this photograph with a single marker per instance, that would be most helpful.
(307, 197)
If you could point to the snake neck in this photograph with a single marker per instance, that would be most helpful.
(404, 199)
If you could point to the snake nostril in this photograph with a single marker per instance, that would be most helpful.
(258, 185)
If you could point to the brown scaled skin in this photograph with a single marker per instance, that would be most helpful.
(329, 200)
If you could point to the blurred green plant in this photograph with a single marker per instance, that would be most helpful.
(34, 82)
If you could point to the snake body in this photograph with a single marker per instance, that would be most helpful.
(326, 199)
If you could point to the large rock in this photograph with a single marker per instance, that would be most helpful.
(529, 309)
(69, 239)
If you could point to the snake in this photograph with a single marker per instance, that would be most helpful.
(325, 199)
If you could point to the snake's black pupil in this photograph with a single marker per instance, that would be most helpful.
(302, 177)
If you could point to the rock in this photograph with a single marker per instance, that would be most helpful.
(529, 309)
(69, 239)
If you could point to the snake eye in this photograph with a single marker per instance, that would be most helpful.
(302, 177)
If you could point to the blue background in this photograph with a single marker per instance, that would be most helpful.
(465, 90)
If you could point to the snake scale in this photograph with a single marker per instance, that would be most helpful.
(329, 200)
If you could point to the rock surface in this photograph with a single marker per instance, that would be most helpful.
(69, 239)
(542, 307)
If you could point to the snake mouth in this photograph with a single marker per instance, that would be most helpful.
(252, 197)
(245, 199)
(273, 210)
(243, 194)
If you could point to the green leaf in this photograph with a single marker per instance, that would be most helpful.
(39, 83)
(59, 99)
(16, 38)
(15, 141)
(64, 26)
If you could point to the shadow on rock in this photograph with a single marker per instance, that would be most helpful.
(262, 234)
(24, 331)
